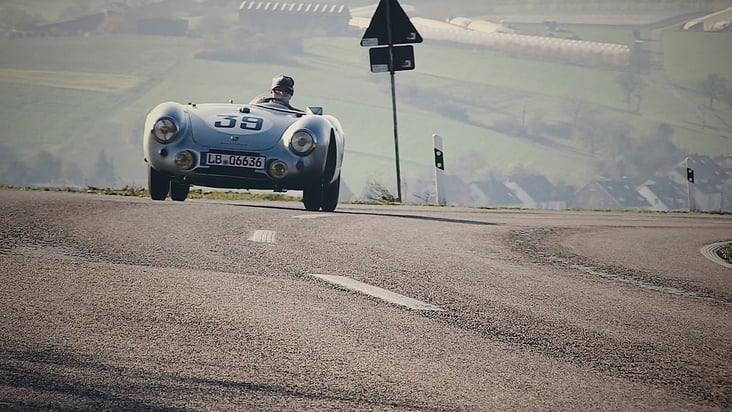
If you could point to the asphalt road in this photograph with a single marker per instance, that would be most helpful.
(124, 303)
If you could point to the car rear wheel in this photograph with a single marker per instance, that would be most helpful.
(158, 184)
(179, 191)
(330, 195)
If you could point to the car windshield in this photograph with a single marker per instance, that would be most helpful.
(264, 100)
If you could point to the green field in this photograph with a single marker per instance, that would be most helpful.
(75, 96)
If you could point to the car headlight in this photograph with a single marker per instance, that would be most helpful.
(184, 159)
(165, 130)
(302, 143)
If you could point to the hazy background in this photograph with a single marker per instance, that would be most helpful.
(73, 102)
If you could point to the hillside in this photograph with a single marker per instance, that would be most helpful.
(81, 100)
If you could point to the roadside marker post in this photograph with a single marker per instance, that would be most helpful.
(439, 170)
(390, 25)
(689, 186)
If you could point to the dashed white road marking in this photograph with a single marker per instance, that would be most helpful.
(312, 216)
(263, 236)
(377, 292)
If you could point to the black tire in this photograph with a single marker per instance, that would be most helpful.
(312, 197)
(179, 191)
(158, 184)
(330, 195)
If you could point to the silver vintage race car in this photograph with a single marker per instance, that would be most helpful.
(260, 145)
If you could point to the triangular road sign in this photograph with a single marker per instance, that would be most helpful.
(390, 14)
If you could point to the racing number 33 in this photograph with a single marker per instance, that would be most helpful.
(247, 122)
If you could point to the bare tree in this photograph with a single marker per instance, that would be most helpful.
(578, 109)
(639, 59)
(103, 174)
(45, 168)
(589, 132)
(714, 87)
(12, 169)
(654, 151)
(378, 192)
(630, 83)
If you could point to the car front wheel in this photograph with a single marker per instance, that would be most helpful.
(158, 184)
(330, 195)
(179, 191)
(321, 196)
(312, 197)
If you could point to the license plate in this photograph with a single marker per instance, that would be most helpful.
(232, 160)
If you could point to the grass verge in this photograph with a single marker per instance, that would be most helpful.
(141, 192)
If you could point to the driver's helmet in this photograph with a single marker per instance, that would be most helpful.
(285, 82)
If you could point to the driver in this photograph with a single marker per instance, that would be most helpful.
(283, 87)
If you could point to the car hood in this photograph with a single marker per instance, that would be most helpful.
(237, 127)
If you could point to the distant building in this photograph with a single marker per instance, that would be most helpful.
(706, 170)
(114, 19)
(711, 182)
(74, 27)
(498, 37)
(668, 190)
(663, 193)
(535, 192)
(529, 191)
(719, 21)
(493, 193)
(610, 195)
(311, 18)
(77, 26)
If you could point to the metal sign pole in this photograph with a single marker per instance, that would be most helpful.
(393, 100)
(381, 33)
(396, 140)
